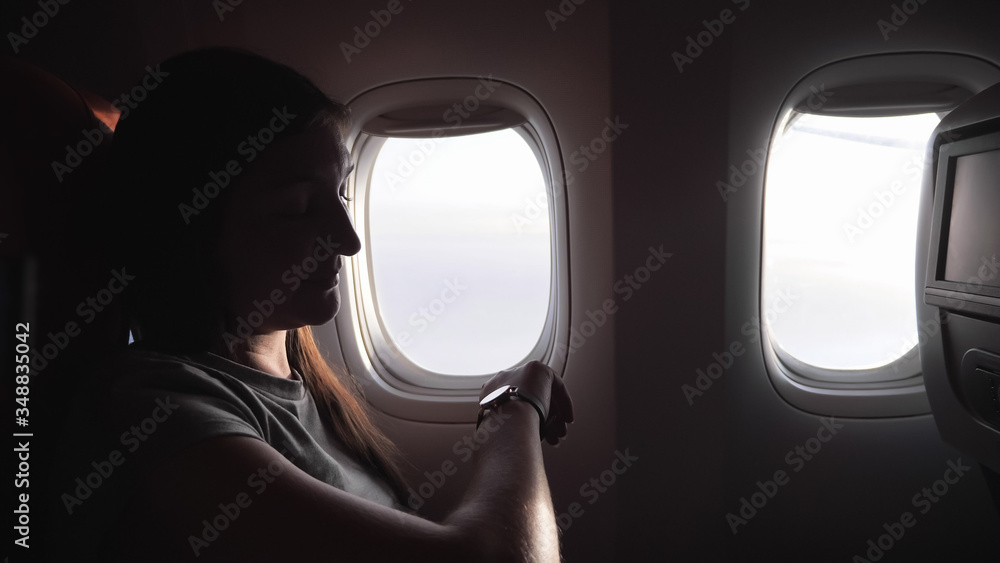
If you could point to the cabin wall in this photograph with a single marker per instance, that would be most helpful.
(664, 177)
(842, 501)
(702, 458)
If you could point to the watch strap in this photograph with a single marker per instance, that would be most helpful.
(513, 392)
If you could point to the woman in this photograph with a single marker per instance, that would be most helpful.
(226, 207)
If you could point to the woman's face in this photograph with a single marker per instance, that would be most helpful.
(284, 231)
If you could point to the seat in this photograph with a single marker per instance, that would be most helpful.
(958, 303)
(53, 273)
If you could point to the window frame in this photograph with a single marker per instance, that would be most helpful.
(404, 389)
(380, 346)
(874, 85)
(906, 366)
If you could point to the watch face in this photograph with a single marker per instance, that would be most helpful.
(498, 392)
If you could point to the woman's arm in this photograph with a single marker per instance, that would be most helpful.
(508, 499)
(506, 514)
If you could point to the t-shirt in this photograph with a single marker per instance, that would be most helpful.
(156, 405)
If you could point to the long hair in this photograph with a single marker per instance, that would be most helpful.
(166, 189)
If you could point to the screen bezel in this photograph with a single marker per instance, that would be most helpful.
(951, 295)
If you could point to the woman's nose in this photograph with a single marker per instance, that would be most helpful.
(351, 243)
(344, 232)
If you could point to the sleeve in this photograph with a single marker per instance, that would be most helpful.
(145, 409)
(158, 405)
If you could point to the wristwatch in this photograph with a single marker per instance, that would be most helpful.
(505, 393)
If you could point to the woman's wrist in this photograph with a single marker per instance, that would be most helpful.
(507, 395)
(492, 419)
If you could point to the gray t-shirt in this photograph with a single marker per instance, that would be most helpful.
(156, 405)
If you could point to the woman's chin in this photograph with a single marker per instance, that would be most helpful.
(319, 311)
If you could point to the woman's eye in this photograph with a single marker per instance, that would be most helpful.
(291, 208)
(342, 192)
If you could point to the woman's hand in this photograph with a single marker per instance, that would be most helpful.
(542, 382)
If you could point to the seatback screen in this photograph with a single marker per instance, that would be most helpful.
(974, 229)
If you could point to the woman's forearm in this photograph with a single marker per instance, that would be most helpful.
(508, 505)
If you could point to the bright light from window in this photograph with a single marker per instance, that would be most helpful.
(840, 218)
(460, 250)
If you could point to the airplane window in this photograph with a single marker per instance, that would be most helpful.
(840, 224)
(459, 247)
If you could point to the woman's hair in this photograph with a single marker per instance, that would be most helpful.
(167, 187)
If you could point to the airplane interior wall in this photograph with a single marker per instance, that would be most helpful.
(871, 478)
(705, 456)
(648, 199)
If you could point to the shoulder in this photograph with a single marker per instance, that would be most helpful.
(135, 368)
(141, 372)
(141, 411)
(172, 396)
